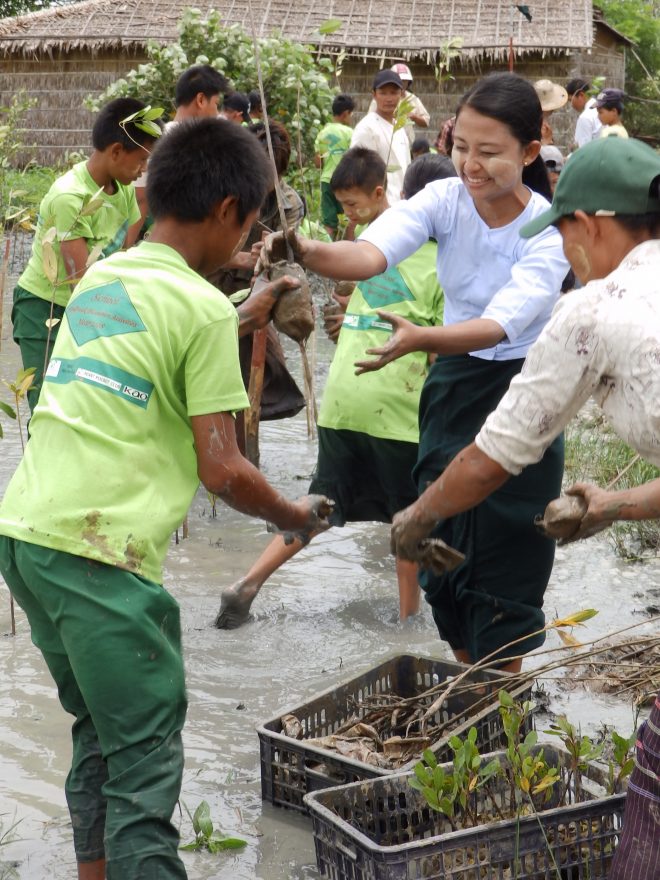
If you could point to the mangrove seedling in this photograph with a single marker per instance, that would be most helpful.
(206, 837)
(581, 750)
(622, 763)
(528, 770)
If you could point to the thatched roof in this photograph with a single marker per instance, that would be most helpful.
(407, 28)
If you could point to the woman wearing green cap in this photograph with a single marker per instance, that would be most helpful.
(602, 341)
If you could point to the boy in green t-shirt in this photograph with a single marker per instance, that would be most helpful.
(331, 143)
(137, 406)
(367, 425)
(91, 211)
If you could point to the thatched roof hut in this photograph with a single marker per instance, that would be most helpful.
(64, 53)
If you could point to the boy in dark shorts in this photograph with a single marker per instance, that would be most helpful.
(367, 425)
(137, 406)
(119, 158)
(331, 143)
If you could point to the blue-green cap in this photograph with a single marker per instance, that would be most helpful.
(606, 177)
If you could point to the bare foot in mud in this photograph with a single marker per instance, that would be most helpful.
(235, 605)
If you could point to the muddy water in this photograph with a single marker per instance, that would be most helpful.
(328, 615)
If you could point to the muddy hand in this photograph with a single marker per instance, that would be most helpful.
(275, 250)
(256, 310)
(235, 605)
(601, 511)
(318, 510)
(402, 341)
(408, 530)
(333, 318)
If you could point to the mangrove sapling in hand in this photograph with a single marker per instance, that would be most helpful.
(206, 837)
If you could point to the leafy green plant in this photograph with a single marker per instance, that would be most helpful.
(23, 383)
(447, 53)
(8, 835)
(444, 792)
(206, 837)
(622, 763)
(206, 40)
(581, 750)
(11, 148)
(527, 768)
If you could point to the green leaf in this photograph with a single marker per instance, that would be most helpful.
(330, 26)
(430, 758)
(149, 128)
(49, 262)
(424, 776)
(506, 699)
(7, 410)
(229, 843)
(193, 846)
(202, 820)
(153, 113)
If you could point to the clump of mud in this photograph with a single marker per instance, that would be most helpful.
(563, 517)
(293, 313)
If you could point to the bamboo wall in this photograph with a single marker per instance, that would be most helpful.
(60, 123)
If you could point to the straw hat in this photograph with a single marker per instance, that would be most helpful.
(551, 95)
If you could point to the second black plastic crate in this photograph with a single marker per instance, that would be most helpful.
(290, 768)
(382, 829)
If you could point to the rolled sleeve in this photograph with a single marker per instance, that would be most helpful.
(536, 277)
(562, 370)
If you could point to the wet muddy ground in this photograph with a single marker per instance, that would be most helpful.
(329, 615)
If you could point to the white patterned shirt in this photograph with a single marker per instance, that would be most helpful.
(602, 341)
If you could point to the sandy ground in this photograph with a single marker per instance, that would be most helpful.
(329, 615)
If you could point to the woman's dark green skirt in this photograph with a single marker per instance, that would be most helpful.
(496, 595)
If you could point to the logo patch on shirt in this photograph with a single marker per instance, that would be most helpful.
(128, 386)
(103, 311)
(383, 290)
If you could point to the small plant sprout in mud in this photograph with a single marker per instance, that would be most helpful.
(622, 763)
(206, 838)
(8, 835)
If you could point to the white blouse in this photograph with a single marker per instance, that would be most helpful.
(484, 272)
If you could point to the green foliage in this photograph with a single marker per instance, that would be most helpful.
(447, 53)
(640, 21)
(9, 8)
(291, 73)
(206, 838)
(595, 454)
(11, 146)
(529, 771)
(623, 762)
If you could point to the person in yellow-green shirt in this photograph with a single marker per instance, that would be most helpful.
(83, 230)
(330, 145)
(137, 407)
(368, 425)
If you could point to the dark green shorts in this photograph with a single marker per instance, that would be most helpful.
(368, 478)
(29, 316)
(330, 207)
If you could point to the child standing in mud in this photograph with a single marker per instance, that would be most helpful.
(118, 159)
(367, 427)
(499, 293)
(137, 406)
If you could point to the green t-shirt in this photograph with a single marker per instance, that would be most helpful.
(384, 403)
(110, 469)
(63, 206)
(331, 143)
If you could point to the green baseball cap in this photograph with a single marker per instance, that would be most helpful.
(606, 177)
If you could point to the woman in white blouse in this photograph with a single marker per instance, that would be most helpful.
(499, 292)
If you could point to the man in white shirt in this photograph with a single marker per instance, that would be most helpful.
(418, 115)
(588, 125)
(376, 131)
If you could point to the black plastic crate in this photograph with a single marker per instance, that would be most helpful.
(290, 768)
(383, 829)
